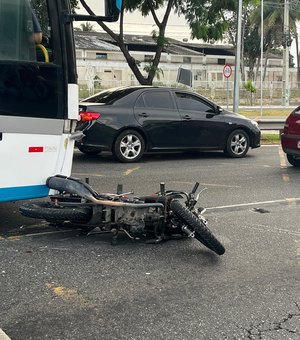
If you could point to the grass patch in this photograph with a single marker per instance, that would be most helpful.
(253, 113)
(269, 138)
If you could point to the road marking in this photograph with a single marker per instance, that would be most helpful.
(130, 171)
(11, 238)
(87, 174)
(286, 178)
(271, 229)
(282, 158)
(283, 165)
(209, 184)
(3, 336)
(286, 200)
(69, 294)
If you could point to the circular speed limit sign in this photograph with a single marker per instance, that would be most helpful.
(227, 71)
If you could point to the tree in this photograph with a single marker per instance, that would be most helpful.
(87, 27)
(205, 18)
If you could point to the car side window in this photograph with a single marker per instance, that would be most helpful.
(158, 100)
(140, 102)
(188, 101)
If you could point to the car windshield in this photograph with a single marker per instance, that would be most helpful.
(109, 96)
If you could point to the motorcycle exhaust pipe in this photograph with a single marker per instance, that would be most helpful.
(74, 186)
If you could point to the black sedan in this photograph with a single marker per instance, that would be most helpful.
(129, 121)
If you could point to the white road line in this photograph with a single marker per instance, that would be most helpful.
(291, 200)
(3, 336)
(209, 184)
(273, 230)
(87, 174)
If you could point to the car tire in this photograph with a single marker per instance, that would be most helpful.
(293, 160)
(129, 146)
(89, 150)
(237, 144)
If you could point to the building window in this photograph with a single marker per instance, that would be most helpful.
(187, 60)
(221, 61)
(148, 57)
(102, 56)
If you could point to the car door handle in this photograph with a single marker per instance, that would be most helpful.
(187, 117)
(144, 114)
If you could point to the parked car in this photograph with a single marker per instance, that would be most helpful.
(290, 138)
(129, 121)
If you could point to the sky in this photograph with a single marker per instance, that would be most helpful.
(134, 23)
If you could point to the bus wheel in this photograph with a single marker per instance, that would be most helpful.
(51, 212)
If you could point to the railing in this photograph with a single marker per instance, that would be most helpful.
(216, 91)
(271, 123)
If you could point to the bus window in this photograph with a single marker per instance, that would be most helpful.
(16, 31)
(31, 77)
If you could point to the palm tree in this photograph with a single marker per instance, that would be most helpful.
(274, 26)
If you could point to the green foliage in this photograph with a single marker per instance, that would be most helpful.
(153, 71)
(160, 39)
(249, 86)
(87, 27)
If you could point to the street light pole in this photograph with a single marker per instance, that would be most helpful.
(286, 55)
(236, 92)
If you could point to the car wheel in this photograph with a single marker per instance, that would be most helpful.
(89, 150)
(129, 146)
(237, 144)
(295, 161)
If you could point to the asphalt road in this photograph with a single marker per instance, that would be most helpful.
(59, 284)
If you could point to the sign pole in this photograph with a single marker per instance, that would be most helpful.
(227, 72)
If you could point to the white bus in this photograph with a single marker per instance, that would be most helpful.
(38, 93)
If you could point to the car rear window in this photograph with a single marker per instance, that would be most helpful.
(109, 96)
(297, 111)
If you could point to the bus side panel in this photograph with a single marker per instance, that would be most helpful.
(36, 157)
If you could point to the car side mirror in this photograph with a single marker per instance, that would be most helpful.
(219, 110)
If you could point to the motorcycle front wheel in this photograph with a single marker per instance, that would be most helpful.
(52, 212)
(202, 233)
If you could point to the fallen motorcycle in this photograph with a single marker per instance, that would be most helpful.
(159, 217)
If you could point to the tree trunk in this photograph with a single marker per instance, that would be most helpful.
(132, 63)
(266, 62)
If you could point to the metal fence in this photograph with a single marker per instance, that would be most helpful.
(219, 91)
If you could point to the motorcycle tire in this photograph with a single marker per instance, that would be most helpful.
(55, 213)
(202, 233)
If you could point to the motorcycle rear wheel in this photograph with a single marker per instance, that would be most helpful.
(52, 212)
(202, 233)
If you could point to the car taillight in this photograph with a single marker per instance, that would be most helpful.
(292, 125)
(88, 116)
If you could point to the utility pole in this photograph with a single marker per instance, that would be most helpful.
(261, 54)
(286, 54)
(237, 68)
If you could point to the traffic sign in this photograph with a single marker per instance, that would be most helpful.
(227, 71)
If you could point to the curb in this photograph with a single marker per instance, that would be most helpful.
(3, 336)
